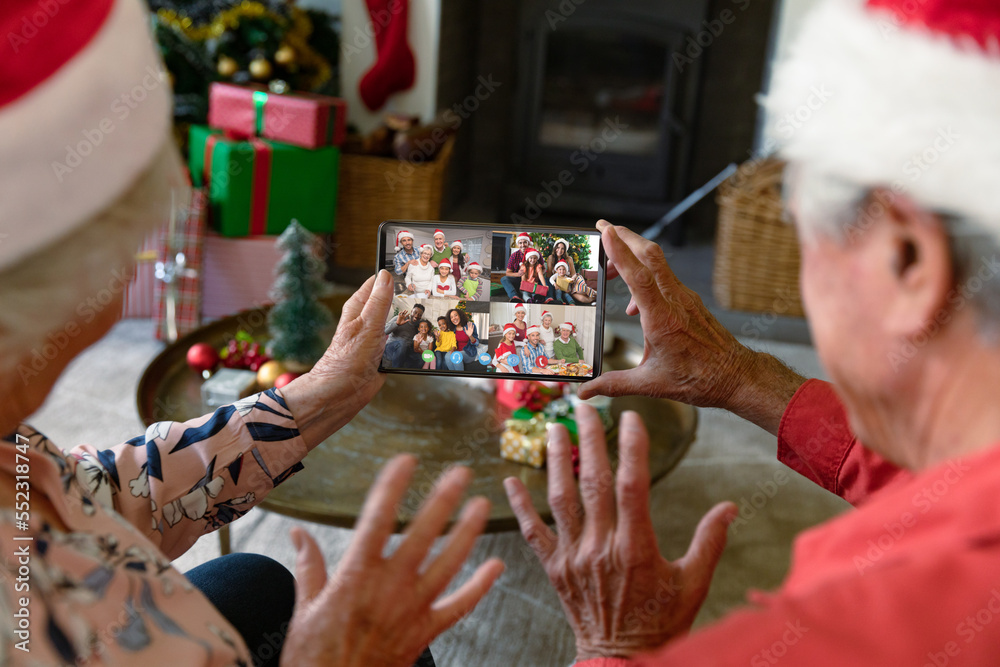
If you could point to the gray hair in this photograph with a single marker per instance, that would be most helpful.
(53, 294)
(839, 210)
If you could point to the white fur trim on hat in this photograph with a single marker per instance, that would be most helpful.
(544, 313)
(475, 266)
(520, 307)
(437, 233)
(444, 262)
(561, 263)
(402, 234)
(563, 241)
(77, 141)
(534, 328)
(531, 251)
(456, 243)
(425, 245)
(509, 327)
(567, 325)
(523, 235)
(871, 102)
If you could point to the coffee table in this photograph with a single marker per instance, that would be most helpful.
(443, 421)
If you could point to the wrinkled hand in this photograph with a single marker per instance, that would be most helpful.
(384, 611)
(688, 355)
(620, 595)
(346, 378)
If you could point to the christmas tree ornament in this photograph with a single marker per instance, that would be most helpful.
(297, 320)
(227, 66)
(202, 357)
(284, 379)
(260, 69)
(268, 373)
(285, 55)
(395, 68)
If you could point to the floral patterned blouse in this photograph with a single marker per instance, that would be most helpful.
(104, 592)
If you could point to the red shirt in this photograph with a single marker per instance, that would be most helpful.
(912, 577)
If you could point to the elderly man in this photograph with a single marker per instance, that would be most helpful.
(899, 278)
(532, 351)
(511, 280)
(399, 348)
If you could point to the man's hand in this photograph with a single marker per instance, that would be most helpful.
(403, 317)
(346, 378)
(379, 610)
(688, 355)
(604, 562)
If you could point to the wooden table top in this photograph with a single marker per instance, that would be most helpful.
(443, 421)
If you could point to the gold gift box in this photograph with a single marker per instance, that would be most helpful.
(524, 441)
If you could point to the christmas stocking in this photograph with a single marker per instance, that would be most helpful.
(394, 69)
(580, 286)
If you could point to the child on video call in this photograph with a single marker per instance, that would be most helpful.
(566, 347)
(424, 340)
(446, 341)
(444, 282)
(562, 284)
(473, 288)
(501, 358)
(533, 273)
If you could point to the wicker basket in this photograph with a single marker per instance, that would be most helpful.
(756, 251)
(373, 189)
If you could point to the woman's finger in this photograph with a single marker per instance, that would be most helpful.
(378, 515)
(376, 308)
(432, 517)
(353, 307)
(449, 610)
(632, 482)
(461, 538)
(538, 536)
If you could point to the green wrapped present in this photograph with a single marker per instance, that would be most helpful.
(258, 186)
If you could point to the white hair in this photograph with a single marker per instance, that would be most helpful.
(58, 291)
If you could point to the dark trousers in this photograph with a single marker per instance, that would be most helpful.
(256, 594)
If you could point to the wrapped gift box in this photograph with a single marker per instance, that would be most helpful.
(524, 441)
(533, 394)
(258, 186)
(300, 119)
(237, 274)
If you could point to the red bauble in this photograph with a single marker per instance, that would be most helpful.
(202, 357)
(284, 379)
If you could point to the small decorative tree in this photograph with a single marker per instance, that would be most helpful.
(297, 319)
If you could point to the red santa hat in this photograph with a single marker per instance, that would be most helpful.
(902, 94)
(563, 241)
(84, 110)
(457, 244)
(544, 313)
(400, 235)
(523, 235)
(534, 328)
(561, 263)
(475, 266)
(528, 252)
(520, 307)
(568, 325)
(509, 327)
(437, 233)
(426, 246)
(444, 262)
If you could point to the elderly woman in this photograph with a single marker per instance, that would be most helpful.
(900, 284)
(421, 273)
(89, 533)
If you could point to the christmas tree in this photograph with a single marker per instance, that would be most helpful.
(243, 41)
(297, 320)
(578, 250)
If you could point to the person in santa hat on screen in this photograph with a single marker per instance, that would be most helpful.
(505, 357)
(515, 270)
(406, 255)
(888, 115)
(441, 248)
(89, 169)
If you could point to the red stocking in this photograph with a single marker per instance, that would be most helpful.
(394, 69)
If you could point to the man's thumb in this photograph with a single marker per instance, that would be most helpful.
(310, 569)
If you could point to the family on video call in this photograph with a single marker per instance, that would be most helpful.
(545, 348)
(438, 269)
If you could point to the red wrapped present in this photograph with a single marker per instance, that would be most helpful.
(301, 119)
(528, 393)
(237, 274)
(178, 271)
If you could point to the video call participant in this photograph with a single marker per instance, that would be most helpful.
(466, 338)
(443, 284)
(561, 284)
(399, 348)
(533, 274)
(580, 290)
(419, 275)
(474, 288)
(566, 347)
(406, 255)
(511, 281)
(548, 333)
(520, 328)
(441, 249)
(533, 350)
(506, 348)
(457, 259)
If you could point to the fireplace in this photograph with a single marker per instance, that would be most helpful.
(603, 115)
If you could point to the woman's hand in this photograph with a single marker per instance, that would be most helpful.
(384, 611)
(620, 595)
(346, 378)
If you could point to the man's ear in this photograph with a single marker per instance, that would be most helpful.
(919, 266)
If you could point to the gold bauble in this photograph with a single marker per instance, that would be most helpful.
(260, 68)
(269, 372)
(285, 55)
(227, 66)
